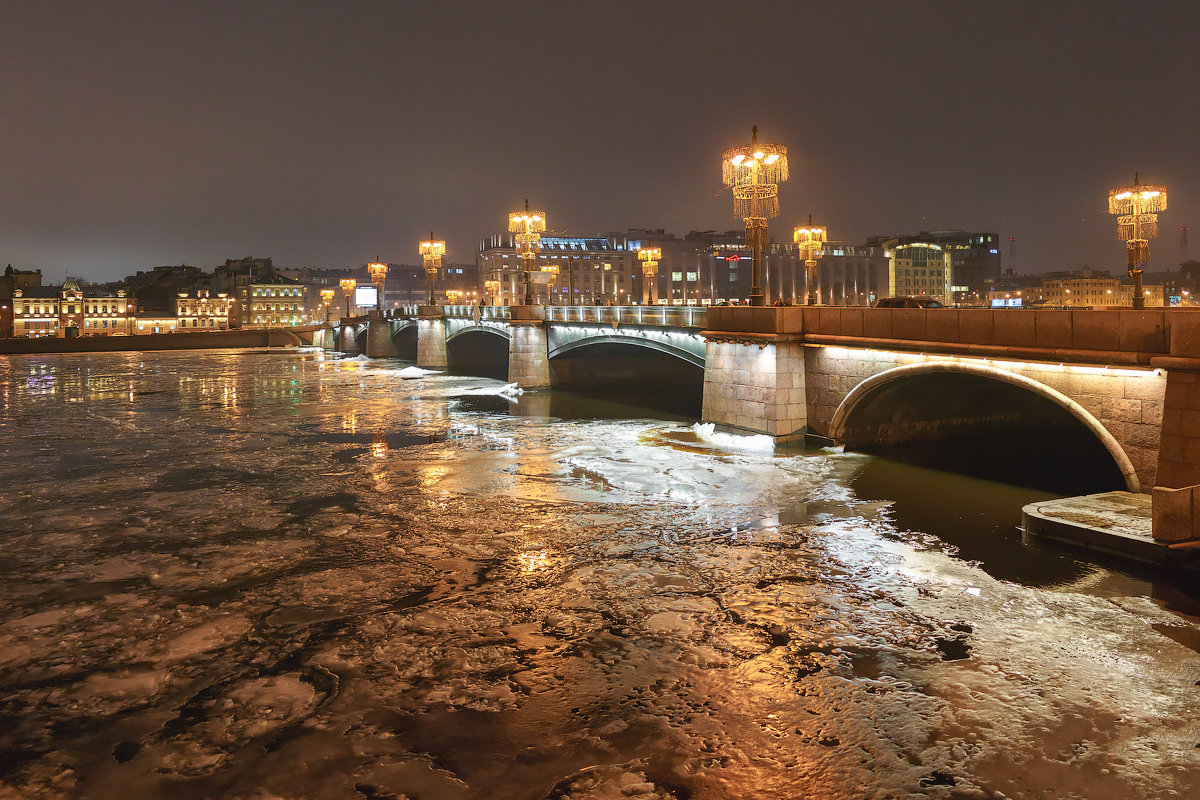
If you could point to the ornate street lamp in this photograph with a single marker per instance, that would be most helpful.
(431, 253)
(809, 242)
(528, 226)
(327, 301)
(755, 172)
(348, 285)
(1137, 207)
(649, 258)
(378, 272)
(492, 290)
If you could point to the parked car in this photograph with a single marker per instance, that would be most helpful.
(908, 302)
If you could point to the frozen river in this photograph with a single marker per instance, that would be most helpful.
(283, 575)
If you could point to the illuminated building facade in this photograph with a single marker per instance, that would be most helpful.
(270, 302)
(591, 271)
(201, 310)
(70, 310)
(920, 269)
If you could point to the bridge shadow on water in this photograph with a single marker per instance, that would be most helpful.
(969, 492)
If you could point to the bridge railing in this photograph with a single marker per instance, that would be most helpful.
(665, 316)
(485, 312)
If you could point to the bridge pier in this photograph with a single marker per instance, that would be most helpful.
(379, 339)
(756, 383)
(431, 338)
(346, 343)
(528, 351)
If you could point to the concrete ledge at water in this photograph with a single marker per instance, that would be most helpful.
(1117, 523)
(201, 340)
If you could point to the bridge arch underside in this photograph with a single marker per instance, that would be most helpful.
(481, 351)
(404, 339)
(630, 370)
(1007, 429)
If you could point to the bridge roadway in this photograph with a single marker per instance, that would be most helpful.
(858, 375)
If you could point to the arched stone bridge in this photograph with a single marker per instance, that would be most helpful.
(861, 375)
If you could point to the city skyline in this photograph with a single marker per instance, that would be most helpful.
(143, 134)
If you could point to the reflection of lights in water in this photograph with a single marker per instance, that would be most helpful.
(350, 421)
(432, 475)
(534, 561)
(379, 446)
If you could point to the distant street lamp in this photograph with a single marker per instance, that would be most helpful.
(431, 253)
(809, 242)
(348, 285)
(754, 171)
(649, 258)
(528, 226)
(492, 290)
(1137, 222)
(327, 300)
(378, 272)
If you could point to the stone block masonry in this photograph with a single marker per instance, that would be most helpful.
(756, 386)
(528, 355)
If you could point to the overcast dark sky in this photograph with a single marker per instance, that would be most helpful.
(135, 133)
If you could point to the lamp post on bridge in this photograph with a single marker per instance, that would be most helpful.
(327, 300)
(1137, 223)
(348, 285)
(649, 257)
(754, 171)
(431, 253)
(378, 272)
(809, 242)
(527, 226)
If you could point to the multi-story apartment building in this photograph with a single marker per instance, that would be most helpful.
(975, 265)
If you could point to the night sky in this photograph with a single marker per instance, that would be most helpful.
(135, 134)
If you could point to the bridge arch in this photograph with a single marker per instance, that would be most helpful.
(861, 396)
(657, 344)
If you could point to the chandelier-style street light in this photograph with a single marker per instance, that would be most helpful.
(378, 272)
(809, 242)
(528, 226)
(431, 253)
(327, 301)
(649, 258)
(348, 285)
(1137, 207)
(755, 172)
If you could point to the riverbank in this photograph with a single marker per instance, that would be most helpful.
(198, 340)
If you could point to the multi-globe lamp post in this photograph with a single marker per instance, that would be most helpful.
(809, 242)
(432, 251)
(327, 301)
(527, 226)
(754, 171)
(348, 285)
(1137, 208)
(378, 272)
(649, 258)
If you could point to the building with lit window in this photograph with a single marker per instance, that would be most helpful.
(70, 310)
(589, 271)
(270, 302)
(1089, 288)
(919, 269)
(201, 310)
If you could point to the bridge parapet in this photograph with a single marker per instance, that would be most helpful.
(1114, 336)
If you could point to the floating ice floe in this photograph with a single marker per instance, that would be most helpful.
(409, 373)
(507, 390)
(707, 432)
